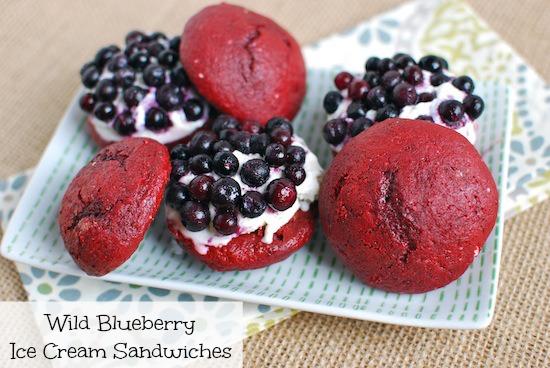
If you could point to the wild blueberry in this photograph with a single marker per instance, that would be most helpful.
(425, 117)
(295, 155)
(252, 204)
(334, 131)
(404, 94)
(133, 96)
(372, 78)
(225, 222)
(136, 36)
(227, 133)
(240, 141)
(451, 112)
(87, 66)
(168, 58)
(124, 123)
(125, 77)
(154, 75)
(342, 80)
(281, 135)
(225, 122)
(356, 110)
(139, 60)
(104, 55)
(169, 97)
(222, 146)
(87, 102)
(376, 98)
(117, 62)
(275, 154)
(278, 122)
(193, 109)
(295, 173)
(359, 125)
(225, 163)
(251, 126)
(179, 169)
(179, 77)
(255, 172)
(259, 142)
(426, 97)
(180, 152)
(226, 192)
(386, 112)
(281, 194)
(195, 216)
(106, 90)
(413, 75)
(357, 89)
(464, 83)
(385, 65)
(438, 79)
(133, 48)
(90, 77)
(390, 79)
(473, 105)
(332, 101)
(397, 55)
(157, 119)
(174, 44)
(200, 187)
(372, 63)
(403, 60)
(104, 111)
(431, 63)
(202, 142)
(158, 36)
(155, 48)
(200, 164)
(177, 194)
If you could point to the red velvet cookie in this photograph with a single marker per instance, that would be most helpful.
(247, 251)
(407, 205)
(240, 195)
(111, 203)
(243, 63)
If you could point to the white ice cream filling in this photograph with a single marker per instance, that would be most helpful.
(179, 129)
(271, 220)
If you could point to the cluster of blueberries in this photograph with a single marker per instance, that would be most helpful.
(150, 59)
(387, 86)
(212, 152)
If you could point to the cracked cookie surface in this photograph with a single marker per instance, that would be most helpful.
(243, 63)
(111, 203)
(407, 205)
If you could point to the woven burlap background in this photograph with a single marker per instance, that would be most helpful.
(42, 45)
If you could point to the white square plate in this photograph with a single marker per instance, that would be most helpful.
(312, 279)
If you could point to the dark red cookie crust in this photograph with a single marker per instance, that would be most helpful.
(247, 251)
(243, 63)
(111, 203)
(407, 205)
